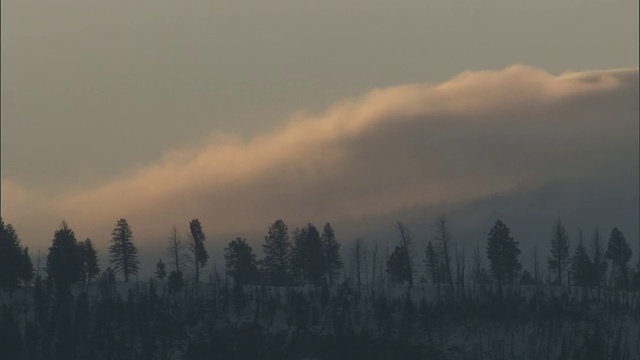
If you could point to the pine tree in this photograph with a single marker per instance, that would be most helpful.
(277, 254)
(432, 264)
(10, 255)
(599, 263)
(64, 262)
(26, 268)
(307, 257)
(331, 249)
(397, 266)
(123, 253)
(619, 252)
(559, 258)
(90, 260)
(581, 265)
(161, 270)
(445, 245)
(502, 252)
(241, 262)
(406, 253)
(175, 250)
(198, 251)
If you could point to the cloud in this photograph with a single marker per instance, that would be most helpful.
(480, 133)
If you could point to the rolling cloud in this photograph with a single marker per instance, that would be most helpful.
(480, 133)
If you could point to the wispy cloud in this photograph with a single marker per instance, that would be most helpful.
(479, 133)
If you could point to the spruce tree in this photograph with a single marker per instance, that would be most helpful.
(90, 259)
(198, 251)
(64, 262)
(502, 252)
(241, 262)
(331, 250)
(10, 255)
(619, 252)
(432, 264)
(26, 268)
(161, 270)
(581, 264)
(277, 254)
(123, 254)
(559, 258)
(307, 255)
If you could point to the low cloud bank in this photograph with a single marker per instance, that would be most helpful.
(480, 133)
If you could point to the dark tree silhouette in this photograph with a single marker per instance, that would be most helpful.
(619, 252)
(307, 255)
(90, 261)
(502, 252)
(357, 253)
(64, 262)
(397, 266)
(176, 282)
(559, 257)
(444, 243)
(241, 262)
(432, 264)
(599, 263)
(123, 253)
(581, 266)
(277, 254)
(175, 250)
(26, 268)
(331, 249)
(10, 255)
(406, 254)
(161, 270)
(198, 251)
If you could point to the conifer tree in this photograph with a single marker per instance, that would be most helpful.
(90, 260)
(307, 255)
(241, 262)
(559, 258)
(599, 263)
(619, 252)
(161, 270)
(64, 262)
(277, 254)
(198, 251)
(432, 264)
(502, 252)
(581, 265)
(123, 253)
(331, 249)
(26, 268)
(10, 255)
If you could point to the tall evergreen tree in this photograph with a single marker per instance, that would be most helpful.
(581, 265)
(432, 264)
(307, 255)
(26, 268)
(331, 249)
(619, 252)
(277, 254)
(502, 252)
(559, 257)
(90, 260)
(599, 263)
(10, 255)
(241, 262)
(398, 266)
(198, 251)
(122, 253)
(161, 270)
(64, 262)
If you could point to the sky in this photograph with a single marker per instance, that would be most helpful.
(240, 113)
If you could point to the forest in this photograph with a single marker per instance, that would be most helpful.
(307, 297)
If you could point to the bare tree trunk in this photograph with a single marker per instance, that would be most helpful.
(444, 239)
(406, 240)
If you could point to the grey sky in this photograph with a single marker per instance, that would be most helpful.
(93, 88)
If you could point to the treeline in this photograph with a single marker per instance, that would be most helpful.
(363, 302)
(308, 256)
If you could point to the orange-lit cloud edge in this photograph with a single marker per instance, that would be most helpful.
(478, 133)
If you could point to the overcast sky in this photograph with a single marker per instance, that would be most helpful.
(241, 112)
